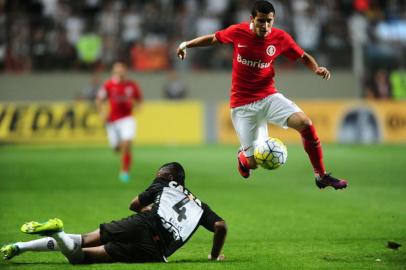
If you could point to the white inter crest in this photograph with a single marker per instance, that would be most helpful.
(271, 50)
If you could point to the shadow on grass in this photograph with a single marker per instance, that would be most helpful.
(25, 264)
(205, 261)
(183, 261)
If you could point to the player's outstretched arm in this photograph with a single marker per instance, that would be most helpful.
(311, 63)
(203, 41)
(220, 233)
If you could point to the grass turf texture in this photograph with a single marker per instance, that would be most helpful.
(277, 219)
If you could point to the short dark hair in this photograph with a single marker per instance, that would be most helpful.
(263, 7)
(176, 170)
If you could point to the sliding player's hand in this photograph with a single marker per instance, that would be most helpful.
(221, 257)
(181, 51)
(323, 72)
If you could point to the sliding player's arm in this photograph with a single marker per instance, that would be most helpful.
(212, 222)
(220, 233)
(145, 200)
(136, 206)
(202, 41)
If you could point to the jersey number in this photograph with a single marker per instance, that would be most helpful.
(180, 209)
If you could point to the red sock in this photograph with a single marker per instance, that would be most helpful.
(312, 146)
(126, 161)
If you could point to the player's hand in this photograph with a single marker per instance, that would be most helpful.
(323, 72)
(181, 51)
(221, 257)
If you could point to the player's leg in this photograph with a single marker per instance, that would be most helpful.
(283, 112)
(113, 136)
(39, 245)
(130, 240)
(126, 127)
(311, 143)
(261, 136)
(70, 248)
(91, 239)
(78, 255)
(245, 121)
(96, 254)
(312, 146)
(126, 158)
(43, 244)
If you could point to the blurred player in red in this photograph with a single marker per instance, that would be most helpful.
(122, 95)
(254, 99)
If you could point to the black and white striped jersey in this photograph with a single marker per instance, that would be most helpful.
(176, 213)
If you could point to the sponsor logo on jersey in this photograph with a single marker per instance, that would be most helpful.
(241, 45)
(271, 50)
(253, 63)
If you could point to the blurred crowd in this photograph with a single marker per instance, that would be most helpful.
(38, 35)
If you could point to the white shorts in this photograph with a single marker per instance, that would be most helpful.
(251, 120)
(121, 130)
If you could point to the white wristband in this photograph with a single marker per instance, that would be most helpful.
(182, 46)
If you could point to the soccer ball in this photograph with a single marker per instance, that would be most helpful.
(271, 154)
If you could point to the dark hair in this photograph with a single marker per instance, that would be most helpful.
(174, 169)
(263, 7)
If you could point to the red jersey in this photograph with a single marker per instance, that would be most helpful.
(121, 97)
(253, 72)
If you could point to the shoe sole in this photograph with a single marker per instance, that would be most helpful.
(323, 186)
(42, 228)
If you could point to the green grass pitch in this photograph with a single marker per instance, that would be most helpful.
(277, 219)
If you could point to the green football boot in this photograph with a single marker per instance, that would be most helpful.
(9, 251)
(46, 228)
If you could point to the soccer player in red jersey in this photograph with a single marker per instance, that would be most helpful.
(254, 99)
(122, 95)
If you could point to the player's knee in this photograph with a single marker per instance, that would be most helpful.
(126, 146)
(305, 123)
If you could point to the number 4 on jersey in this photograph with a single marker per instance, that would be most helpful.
(180, 209)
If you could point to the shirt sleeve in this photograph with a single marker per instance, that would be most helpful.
(226, 35)
(208, 218)
(148, 196)
(291, 49)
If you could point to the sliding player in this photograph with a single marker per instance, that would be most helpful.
(168, 215)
